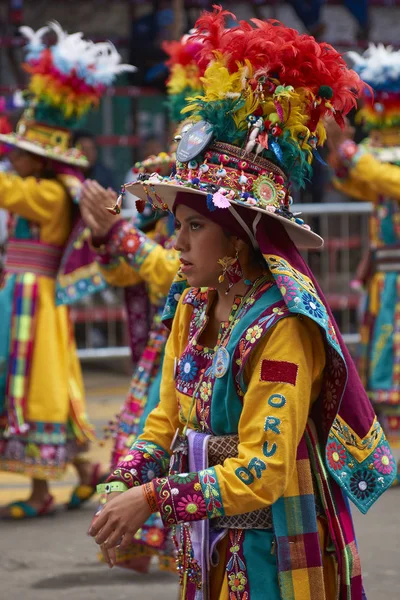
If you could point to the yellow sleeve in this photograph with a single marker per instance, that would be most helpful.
(274, 415)
(355, 189)
(37, 200)
(130, 256)
(271, 425)
(370, 178)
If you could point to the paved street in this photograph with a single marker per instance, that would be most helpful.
(53, 557)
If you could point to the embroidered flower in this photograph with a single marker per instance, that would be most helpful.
(130, 243)
(277, 311)
(336, 456)
(198, 317)
(130, 460)
(48, 452)
(253, 334)
(362, 484)
(330, 396)
(191, 508)
(237, 581)
(183, 477)
(336, 365)
(154, 537)
(205, 391)
(286, 287)
(188, 368)
(383, 460)
(312, 305)
(150, 470)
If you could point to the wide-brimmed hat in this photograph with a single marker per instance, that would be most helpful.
(251, 182)
(258, 120)
(67, 79)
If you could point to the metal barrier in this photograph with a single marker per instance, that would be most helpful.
(100, 322)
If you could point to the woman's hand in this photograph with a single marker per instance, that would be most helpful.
(118, 521)
(93, 202)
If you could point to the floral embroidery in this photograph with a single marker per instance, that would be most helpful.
(362, 484)
(211, 493)
(154, 537)
(205, 391)
(196, 297)
(198, 317)
(383, 461)
(191, 508)
(237, 581)
(336, 366)
(330, 396)
(150, 470)
(336, 455)
(188, 368)
(131, 460)
(130, 243)
(286, 287)
(183, 477)
(312, 305)
(236, 567)
(253, 334)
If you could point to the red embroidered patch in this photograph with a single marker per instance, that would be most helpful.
(279, 371)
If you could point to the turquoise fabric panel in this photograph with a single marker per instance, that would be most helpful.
(226, 405)
(262, 571)
(153, 397)
(386, 213)
(381, 371)
(23, 229)
(6, 307)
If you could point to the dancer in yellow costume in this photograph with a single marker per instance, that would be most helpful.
(43, 422)
(370, 171)
(263, 428)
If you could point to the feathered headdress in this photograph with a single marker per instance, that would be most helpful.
(184, 72)
(379, 67)
(258, 119)
(67, 79)
(267, 88)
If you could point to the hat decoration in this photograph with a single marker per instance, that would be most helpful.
(379, 67)
(184, 72)
(155, 163)
(67, 79)
(259, 118)
(5, 126)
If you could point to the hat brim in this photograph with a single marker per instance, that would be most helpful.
(20, 142)
(303, 238)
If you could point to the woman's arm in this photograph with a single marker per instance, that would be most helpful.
(129, 256)
(37, 200)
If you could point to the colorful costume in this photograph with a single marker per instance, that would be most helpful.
(43, 419)
(131, 259)
(257, 443)
(371, 172)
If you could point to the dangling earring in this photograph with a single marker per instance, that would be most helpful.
(231, 269)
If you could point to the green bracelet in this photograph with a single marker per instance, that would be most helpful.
(112, 486)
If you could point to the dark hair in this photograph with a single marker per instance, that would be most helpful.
(80, 134)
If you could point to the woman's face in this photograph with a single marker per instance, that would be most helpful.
(25, 164)
(200, 243)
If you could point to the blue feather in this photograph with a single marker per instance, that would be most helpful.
(277, 150)
(319, 158)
